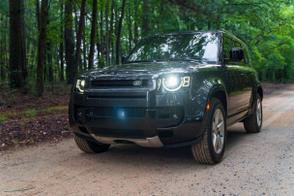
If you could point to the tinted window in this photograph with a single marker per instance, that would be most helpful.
(201, 46)
(229, 44)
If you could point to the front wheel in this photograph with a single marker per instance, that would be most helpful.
(253, 123)
(211, 148)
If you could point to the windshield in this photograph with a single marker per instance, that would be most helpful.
(197, 47)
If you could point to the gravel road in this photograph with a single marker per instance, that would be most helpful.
(256, 164)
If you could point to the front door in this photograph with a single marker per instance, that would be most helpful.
(237, 81)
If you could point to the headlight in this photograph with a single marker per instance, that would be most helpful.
(80, 85)
(174, 82)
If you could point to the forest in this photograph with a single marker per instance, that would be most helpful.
(49, 42)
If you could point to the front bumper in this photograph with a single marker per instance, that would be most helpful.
(145, 118)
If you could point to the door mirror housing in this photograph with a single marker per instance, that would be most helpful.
(236, 54)
(124, 59)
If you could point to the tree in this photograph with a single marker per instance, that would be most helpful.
(93, 35)
(79, 39)
(76, 40)
(145, 18)
(17, 44)
(118, 32)
(69, 41)
(42, 47)
(61, 46)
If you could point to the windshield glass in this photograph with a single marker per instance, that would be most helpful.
(197, 47)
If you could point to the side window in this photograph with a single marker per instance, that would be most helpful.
(246, 56)
(228, 45)
(239, 45)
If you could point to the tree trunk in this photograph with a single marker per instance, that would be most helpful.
(17, 45)
(61, 49)
(69, 41)
(93, 35)
(85, 51)
(145, 18)
(38, 13)
(49, 62)
(136, 33)
(79, 38)
(110, 38)
(6, 48)
(101, 45)
(2, 50)
(2, 47)
(42, 47)
(130, 27)
(107, 33)
(118, 33)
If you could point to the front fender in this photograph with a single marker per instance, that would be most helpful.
(201, 93)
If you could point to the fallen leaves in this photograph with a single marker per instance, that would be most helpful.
(27, 120)
(27, 132)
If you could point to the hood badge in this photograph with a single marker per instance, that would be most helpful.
(137, 83)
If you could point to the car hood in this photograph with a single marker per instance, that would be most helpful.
(153, 69)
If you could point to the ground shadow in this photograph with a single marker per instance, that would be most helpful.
(132, 154)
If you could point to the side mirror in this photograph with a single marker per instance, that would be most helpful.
(236, 54)
(124, 59)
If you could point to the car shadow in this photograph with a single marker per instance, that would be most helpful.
(235, 135)
(132, 155)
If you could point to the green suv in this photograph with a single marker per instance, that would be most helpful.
(172, 90)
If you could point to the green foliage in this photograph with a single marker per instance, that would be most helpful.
(2, 119)
(30, 113)
(267, 27)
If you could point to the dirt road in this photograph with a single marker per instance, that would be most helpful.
(255, 164)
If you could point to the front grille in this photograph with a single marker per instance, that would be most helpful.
(115, 96)
(140, 83)
(111, 112)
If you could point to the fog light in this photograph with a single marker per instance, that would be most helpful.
(121, 114)
(175, 116)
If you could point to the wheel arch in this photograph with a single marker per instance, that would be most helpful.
(260, 91)
(219, 92)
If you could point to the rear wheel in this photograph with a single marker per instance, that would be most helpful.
(212, 146)
(90, 146)
(253, 123)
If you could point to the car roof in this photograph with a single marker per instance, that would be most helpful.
(185, 32)
(220, 32)
(197, 32)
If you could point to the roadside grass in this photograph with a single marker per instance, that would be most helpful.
(55, 109)
(2, 119)
(32, 113)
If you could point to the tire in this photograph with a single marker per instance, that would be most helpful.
(90, 146)
(253, 123)
(206, 152)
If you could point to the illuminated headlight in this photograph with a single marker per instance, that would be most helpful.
(174, 82)
(80, 85)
